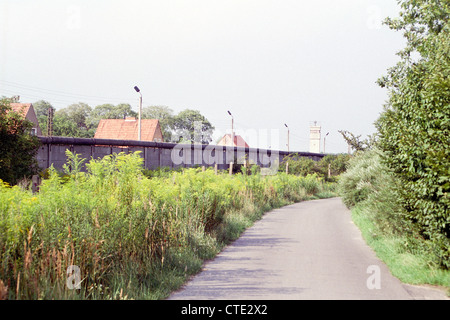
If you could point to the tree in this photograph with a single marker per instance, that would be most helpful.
(414, 128)
(355, 142)
(73, 121)
(41, 108)
(191, 126)
(109, 111)
(17, 146)
(164, 115)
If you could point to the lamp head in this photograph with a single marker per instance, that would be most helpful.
(137, 89)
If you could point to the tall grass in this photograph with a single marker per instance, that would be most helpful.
(133, 236)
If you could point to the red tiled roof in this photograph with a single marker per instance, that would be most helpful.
(26, 110)
(127, 129)
(238, 141)
(21, 108)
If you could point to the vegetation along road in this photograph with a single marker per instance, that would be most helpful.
(308, 250)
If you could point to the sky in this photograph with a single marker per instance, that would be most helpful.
(268, 62)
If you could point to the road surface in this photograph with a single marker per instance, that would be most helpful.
(309, 250)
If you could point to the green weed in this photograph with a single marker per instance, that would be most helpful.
(133, 235)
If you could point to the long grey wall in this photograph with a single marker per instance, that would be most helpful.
(157, 154)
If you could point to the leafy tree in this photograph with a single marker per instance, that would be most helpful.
(63, 126)
(186, 129)
(41, 108)
(164, 115)
(109, 111)
(355, 142)
(73, 121)
(414, 128)
(17, 146)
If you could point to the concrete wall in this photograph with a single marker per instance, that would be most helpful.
(157, 155)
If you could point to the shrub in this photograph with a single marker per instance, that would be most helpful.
(329, 167)
(361, 178)
(369, 184)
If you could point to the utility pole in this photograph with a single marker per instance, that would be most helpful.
(50, 122)
(140, 111)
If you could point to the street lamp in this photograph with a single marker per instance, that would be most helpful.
(324, 142)
(232, 128)
(287, 162)
(140, 111)
(287, 137)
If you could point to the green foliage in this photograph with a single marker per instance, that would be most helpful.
(73, 121)
(329, 167)
(133, 236)
(80, 120)
(190, 126)
(17, 147)
(363, 175)
(164, 115)
(109, 111)
(356, 143)
(414, 129)
(372, 187)
(41, 108)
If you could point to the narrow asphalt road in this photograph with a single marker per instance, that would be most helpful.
(309, 250)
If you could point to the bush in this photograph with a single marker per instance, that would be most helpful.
(361, 178)
(371, 185)
(329, 167)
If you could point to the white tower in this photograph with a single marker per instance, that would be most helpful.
(314, 138)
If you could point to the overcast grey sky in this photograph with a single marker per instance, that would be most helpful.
(268, 62)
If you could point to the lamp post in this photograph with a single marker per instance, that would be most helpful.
(287, 137)
(324, 142)
(232, 128)
(140, 111)
(287, 162)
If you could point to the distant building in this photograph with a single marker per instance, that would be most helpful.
(128, 129)
(27, 111)
(314, 138)
(238, 141)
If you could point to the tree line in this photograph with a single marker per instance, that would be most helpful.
(81, 120)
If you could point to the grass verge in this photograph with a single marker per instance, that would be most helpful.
(410, 265)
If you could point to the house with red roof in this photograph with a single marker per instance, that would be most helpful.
(238, 141)
(27, 111)
(128, 129)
